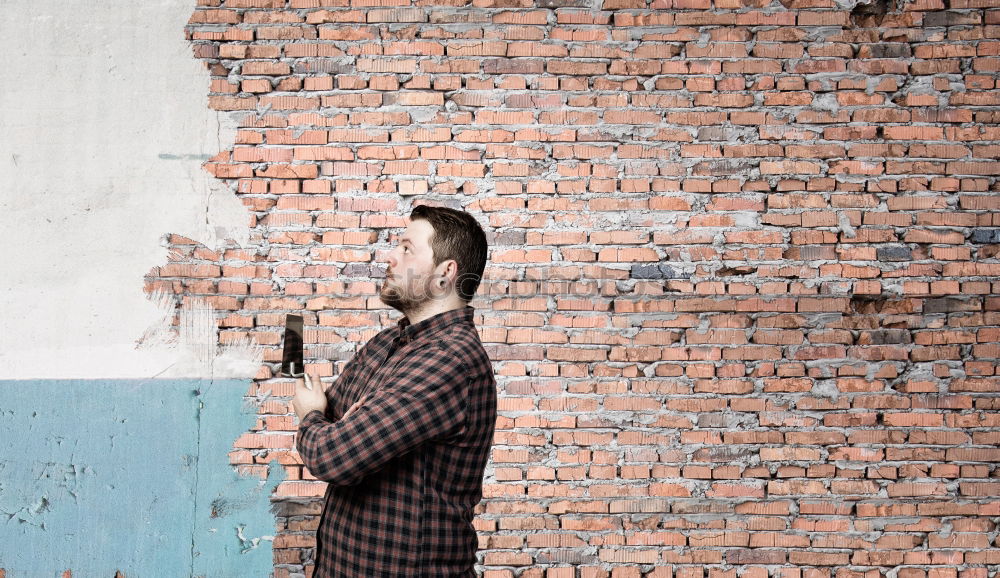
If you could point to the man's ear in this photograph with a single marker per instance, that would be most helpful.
(449, 269)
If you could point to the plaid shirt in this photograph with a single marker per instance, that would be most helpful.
(406, 467)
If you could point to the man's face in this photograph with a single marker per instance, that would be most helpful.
(410, 276)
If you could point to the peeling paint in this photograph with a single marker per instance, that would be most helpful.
(128, 475)
(194, 342)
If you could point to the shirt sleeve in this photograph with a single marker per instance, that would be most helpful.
(424, 399)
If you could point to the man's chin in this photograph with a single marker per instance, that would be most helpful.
(392, 299)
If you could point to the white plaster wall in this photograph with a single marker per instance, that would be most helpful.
(104, 125)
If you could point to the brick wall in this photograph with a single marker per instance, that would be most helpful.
(743, 299)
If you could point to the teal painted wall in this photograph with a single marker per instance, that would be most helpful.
(131, 475)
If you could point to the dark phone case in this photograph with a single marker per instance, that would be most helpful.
(292, 364)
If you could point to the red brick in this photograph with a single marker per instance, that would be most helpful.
(654, 294)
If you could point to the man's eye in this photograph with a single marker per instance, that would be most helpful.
(406, 249)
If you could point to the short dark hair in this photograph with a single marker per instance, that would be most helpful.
(458, 236)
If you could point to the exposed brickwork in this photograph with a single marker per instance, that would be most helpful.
(744, 298)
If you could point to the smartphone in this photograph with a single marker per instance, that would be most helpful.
(292, 363)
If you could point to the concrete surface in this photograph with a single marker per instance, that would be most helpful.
(105, 126)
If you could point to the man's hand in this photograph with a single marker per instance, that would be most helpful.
(309, 396)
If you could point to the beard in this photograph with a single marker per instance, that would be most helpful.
(397, 299)
(403, 299)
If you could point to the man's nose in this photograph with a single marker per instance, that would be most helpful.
(389, 257)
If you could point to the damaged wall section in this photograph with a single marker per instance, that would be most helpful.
(129, 475)
(105, 131)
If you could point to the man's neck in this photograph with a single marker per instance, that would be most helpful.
(432, 308)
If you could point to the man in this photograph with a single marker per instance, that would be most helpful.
(404, 434)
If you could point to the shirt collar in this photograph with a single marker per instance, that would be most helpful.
(408, 332)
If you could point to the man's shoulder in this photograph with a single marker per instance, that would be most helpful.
(461, 341)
